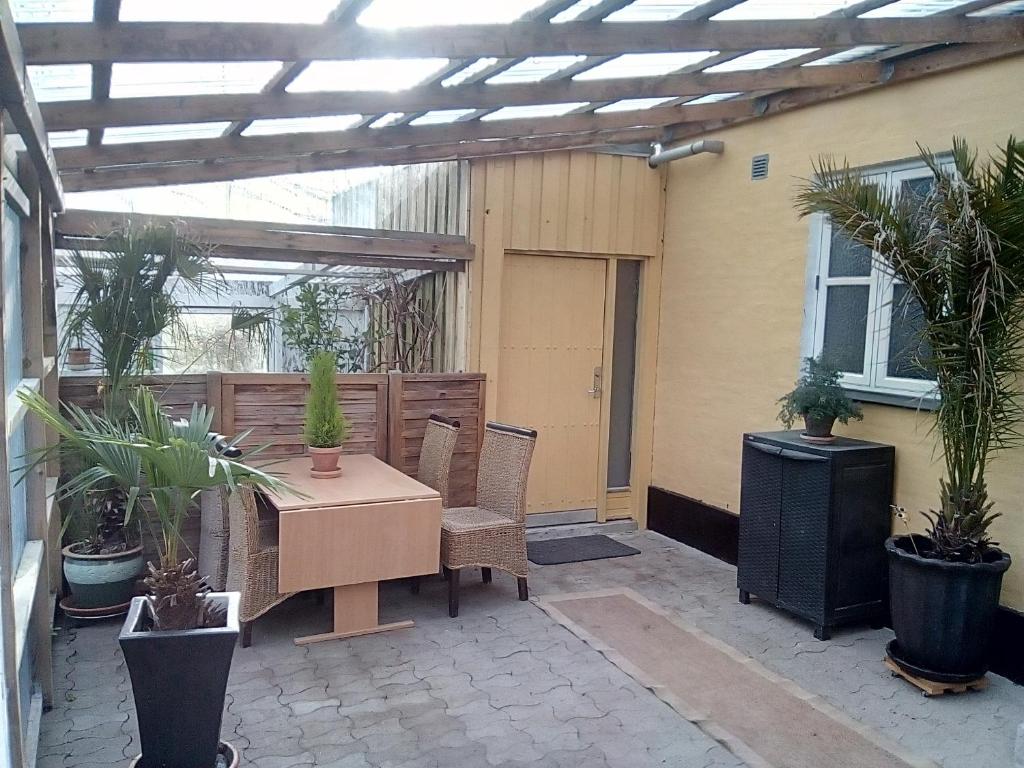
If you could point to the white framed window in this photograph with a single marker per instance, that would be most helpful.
(860, 317)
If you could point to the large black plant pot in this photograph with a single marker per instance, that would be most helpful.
(179, 680)
(943, 613)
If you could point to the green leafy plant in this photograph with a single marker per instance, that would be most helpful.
(317, 322)
(960, 251)
(818, 395)
(123, 298)
(159, 461)
(326, 425)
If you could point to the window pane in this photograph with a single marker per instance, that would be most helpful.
(847, 258)
(846, 325)
(906, 346)
(203, 342)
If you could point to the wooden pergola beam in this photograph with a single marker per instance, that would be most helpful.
(103, 12)
(923, 65)
(71, 115)
(64, 43)
(283, 145)
(84, 229)
(18, 99)
(193, 172)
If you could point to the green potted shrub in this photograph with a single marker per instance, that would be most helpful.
(177, 640)
(960, 251)
(819, 399)
(326, 426)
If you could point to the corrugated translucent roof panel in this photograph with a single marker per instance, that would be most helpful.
(467, 72)
(573, 11)
(1003, 9)
(132, 133)
(644, 65)
(711, 98)
(61, 82)
(653, 10)
(68, 138)
(783, 9)
(389, 119)
(851, 54)
(441, 116)
(628, 105)
(189, 78)
(303, 12)
(533, 110)
(534, 69)
(366, 74)
(32, 11)
(301, 124)
(760, 59)
(419, 13)
(913, 8)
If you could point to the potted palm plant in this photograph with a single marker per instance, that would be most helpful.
(960, 251)
(326, 426)
(124, 299)
(819, 399)
(177, 640)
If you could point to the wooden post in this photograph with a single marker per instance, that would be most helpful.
(39, 510)
(214, 382)
(394, 421)
(8, 628)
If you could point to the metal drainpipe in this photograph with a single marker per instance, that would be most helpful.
(660, 156)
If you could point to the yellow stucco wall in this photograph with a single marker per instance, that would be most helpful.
(734, 262)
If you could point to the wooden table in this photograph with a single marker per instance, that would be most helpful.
(371, 524)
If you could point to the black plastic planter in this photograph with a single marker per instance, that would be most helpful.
(943, 612)
(179, 680)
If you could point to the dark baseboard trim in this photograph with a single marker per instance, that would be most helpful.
(694, 523)
(717, 532)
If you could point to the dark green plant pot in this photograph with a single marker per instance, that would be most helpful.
(820, 428)
(101, 581)
(943, 613)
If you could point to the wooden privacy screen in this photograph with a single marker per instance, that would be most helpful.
(413, 397)
(388, 412)
(273, 406)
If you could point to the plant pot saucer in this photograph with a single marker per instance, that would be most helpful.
(67, 605)
(894, 652)
(818, 440)
(227, 757)
(325, 475)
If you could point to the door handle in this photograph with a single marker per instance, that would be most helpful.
(771, 450)
(595, 391)
(798, 456)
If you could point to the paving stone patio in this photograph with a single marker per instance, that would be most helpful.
(503, 685)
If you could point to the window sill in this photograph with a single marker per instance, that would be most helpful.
(913, 402)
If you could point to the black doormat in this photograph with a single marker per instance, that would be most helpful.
(576, 549)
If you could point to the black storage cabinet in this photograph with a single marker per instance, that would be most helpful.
(813, 523)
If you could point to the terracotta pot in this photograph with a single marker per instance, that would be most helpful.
(820, 428)
(325, 459)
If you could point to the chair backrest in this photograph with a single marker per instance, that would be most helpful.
(504, 468)
(244, 539)
(436, 454)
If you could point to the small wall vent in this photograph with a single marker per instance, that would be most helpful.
(759, 168)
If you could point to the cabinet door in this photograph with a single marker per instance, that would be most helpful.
(803, 548)
(760, 499)
(862, 515)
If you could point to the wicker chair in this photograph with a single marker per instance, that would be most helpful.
(253, 560)
(493, 533)
(436, 454)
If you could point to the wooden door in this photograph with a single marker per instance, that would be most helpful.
(552, 339)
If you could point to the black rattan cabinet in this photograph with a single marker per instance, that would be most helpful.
(813, 523)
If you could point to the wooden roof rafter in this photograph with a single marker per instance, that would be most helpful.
(286, 242)
(71, 43)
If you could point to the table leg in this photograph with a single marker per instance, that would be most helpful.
(355, 613)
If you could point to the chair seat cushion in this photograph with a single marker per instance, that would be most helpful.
(465, 519)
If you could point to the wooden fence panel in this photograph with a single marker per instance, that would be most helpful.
(413, 397)
(176, 392)
(273, 406)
